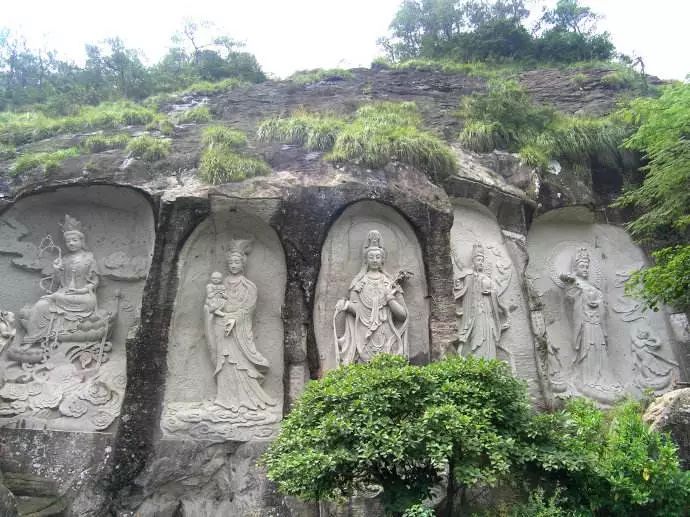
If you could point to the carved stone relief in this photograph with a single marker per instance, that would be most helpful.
(225, 363)
(490, 307)
(607, 344)
(62, 357)
(374, 315)
(370, 295)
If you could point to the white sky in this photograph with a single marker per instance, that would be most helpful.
(289, 35)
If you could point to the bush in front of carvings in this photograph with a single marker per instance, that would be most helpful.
(400, 428)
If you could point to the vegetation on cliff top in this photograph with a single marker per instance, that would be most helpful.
(400, 427)
(226, 158)
(375, 135)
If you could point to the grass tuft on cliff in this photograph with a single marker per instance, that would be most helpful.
(100, 143)
(48, 161)
(195, 115)
(304, 77)
(505, 117)
(226, 159)
(149, 148)
(377, 134)
(22, 128)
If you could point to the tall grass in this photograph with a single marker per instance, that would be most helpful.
(149, 148)
(304, 77)
(225, 157)
(377, 134)
(100, 143)
(22, 128)
(48, 161)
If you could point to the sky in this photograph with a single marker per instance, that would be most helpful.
(290, 35)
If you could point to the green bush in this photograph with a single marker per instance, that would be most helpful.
(222, 165)
(100, 143)
(149, 148)
(535, 157)
(397, 426)
(49, 161)
(196, 115)
(211, 88)
(313, 76)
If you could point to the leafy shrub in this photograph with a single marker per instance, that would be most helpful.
(667, 281)
(535, 157)
(222, 165)
(211, 88)
(398, 426)
(49, 161)
(196, 115)
(313, 76)
(149, 148)
(100, 143)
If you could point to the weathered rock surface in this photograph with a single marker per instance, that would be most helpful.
(8, 503)
(670, 413)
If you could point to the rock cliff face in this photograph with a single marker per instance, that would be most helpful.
(136, 298)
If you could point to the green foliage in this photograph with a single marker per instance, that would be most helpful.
(662, 201)
(223, 159)
(448, 66)
(313, 131)
(398, 426)
(221, 165)
(7, 152)
(610, 463)
(666, 282)
(21, 128)
(468, 30)
(48, 161)
(100, 143)
(662, 138)
(313, 76)
(196, 115)
(215, 136)
(506, 117)
(503, 117)
(419, 510)
(149, 148)
(377, 134)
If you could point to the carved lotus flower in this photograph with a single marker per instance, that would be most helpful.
(16, 407)
(73, 407)
(103, 419)
(97, 393)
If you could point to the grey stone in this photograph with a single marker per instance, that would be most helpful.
(670, 413)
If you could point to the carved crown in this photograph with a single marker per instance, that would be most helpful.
(242, 247)
(582, 256)
(477, 250)
(71, 224)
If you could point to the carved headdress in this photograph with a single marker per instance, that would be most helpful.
(581, 257)
(241, 248)
(71, 226)
(478, 250)
(374, 242)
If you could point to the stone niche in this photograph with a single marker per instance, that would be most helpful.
(225, 356)
(491, 310)
(371, 225)
(73, 264)
(600, 343)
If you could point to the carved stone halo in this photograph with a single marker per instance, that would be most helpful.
(561, 261)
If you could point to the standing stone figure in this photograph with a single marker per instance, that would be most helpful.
(376, 317)
(228, 313)
(651, 370)
(482, 316)
(586, 311)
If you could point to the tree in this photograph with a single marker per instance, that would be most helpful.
(399, 427)
(663, 199)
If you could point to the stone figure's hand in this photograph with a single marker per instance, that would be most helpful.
(341, 305)
(390, 295)
(505, 326)
(219, 313)
(566, 277)
(57, 264)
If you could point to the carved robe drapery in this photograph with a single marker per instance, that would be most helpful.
(483, 317)
(239, 367)
(371, 327)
